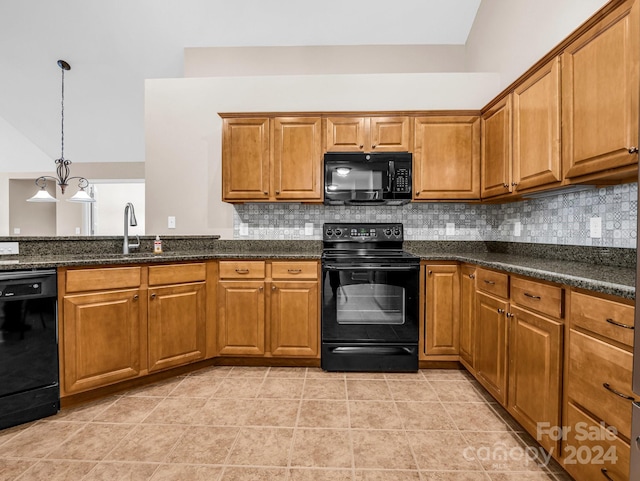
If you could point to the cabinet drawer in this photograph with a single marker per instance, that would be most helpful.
(242, 269)
(495, 283)
(83, 280)
(592, 364)
(590, 448)
(294, 270)
(610, 319)
(177, 274)
(537, 296)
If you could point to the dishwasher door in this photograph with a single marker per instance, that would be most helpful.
(29, 374)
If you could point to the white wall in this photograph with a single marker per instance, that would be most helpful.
(510, 36)
(183, 131)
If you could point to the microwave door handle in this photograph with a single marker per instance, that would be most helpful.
(392, 175)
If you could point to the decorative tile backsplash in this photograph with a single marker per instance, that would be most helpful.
(556, 219)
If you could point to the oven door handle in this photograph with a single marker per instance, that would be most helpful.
(371, 268)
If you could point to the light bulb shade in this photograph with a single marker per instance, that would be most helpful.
(42, 196)
(81, 196)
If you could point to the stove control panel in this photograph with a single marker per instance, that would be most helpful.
(363, 232)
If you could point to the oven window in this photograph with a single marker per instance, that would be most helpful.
(370, 304)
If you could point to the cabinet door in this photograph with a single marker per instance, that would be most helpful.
(241, 318)
(491, 345)
(176, 325)
(443, 309)
(600, 95)
(345, 134)
(245, 159)
(536, 129)
(496, 149)
(389, 134)
(297, 158)
(446, 158)
(295, 320)
(467, 314)
(101, 339)
(535, 373)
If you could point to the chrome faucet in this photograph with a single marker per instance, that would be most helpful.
(129, 212)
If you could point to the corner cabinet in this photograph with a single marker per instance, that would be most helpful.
(272, 159)
(600, 98)
(446, 158)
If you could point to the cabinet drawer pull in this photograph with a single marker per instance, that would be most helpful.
(491, 283)
(153, 296)
(531, 296)
(273, 288)
(242, 271)
(509, 315)
(633, 150)
(611, 321)
(500, 311)
(294, 271)
(623, 396)
(136, 297)
(260, 288)
(472, 276)
(605, 473)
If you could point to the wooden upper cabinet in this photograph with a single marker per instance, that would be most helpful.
(367, 134)
(245, 159)
(536, 129)
(389, 134)
(446, 158)
(496, 149)
(600, 97)
(297, 158)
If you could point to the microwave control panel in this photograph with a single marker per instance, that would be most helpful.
(402, 181)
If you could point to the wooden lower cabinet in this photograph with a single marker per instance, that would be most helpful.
(535, 374)
(294, 318)
(467, 315)
(275, 314)
(491, 345)
(241, 319)
(100, 341)
(176, 325)
(442, 310)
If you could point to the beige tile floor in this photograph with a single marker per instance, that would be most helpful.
(254, 423)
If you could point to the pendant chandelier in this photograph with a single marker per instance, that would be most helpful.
(63, 171)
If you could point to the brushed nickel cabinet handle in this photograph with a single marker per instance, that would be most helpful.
(514, 184)
(153, 296)
(277, 192)
(500, 311)
(633, 150)
(506, 186)
(491, 283)
(509, 315)
(617, 393)
(531, 296)
(260, 288)
(472, 276)
(136, 297)
(611, 321)
(266, 193)
(430, 272)
(242, 271)
(273, 288)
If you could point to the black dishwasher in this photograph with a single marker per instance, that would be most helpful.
(29, 382)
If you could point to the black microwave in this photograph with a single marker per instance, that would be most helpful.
(359, 178)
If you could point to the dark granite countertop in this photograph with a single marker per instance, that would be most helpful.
(584, 270)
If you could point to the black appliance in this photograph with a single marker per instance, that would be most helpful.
(29, 381)
(359, 178)
(370, 291)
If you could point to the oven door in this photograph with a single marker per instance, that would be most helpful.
(370, 303)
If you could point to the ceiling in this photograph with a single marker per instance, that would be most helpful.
(113, 46)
